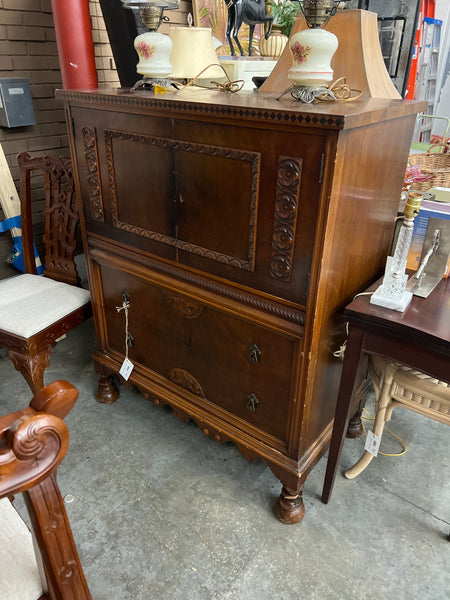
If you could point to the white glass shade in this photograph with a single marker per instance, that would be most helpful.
(193, 51)
(153, 49)
(312, 51)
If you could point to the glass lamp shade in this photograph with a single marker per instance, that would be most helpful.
(153, 49)
(312, 51)
(193, 51)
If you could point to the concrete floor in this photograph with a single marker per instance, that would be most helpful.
(161, 511)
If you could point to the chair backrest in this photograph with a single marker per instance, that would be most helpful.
(61, 216)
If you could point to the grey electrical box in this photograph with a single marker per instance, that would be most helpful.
(16, 107)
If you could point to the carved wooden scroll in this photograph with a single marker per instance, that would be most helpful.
(93, 173)
(285, 217)
(185, 307)
(186, 381)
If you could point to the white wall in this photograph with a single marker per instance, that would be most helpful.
(441, 9)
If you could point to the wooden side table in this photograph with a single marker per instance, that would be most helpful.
(418, 338)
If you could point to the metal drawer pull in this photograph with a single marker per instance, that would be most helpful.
(252, 402)
(255, 354)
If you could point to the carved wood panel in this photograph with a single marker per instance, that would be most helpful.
(93, 176)
(285, 217)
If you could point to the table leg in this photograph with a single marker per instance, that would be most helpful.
(342, 418)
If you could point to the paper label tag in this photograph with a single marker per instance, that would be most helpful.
(126, 368)
(372, 444)
(16, 91)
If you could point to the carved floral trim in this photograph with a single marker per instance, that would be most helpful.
(285, 217)
(186, 381)
(93, 173)
(188, 309)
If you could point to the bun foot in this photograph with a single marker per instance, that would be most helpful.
(107, 391)
(289, 507)
(355, 427)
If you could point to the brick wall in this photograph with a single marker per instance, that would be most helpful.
(28, 49)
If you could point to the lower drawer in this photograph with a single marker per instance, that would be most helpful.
(216, 356)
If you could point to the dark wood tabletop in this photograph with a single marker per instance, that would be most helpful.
(419, 338)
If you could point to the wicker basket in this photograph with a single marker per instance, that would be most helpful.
(432, 163)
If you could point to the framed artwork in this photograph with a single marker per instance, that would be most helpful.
(214, 14)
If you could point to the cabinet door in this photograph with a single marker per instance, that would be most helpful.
(218, 195)
(233, 202)
(215, 357)
(126, 168)
(250, 200)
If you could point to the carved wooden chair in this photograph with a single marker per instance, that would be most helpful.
(44, 563)
(35, 311)
(398, 385)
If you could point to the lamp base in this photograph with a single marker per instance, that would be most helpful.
(150, 83)
(381, 298)
(308, 94)
(392, 293)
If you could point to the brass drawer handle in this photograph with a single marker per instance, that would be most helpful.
(255, 354)
(252, 402)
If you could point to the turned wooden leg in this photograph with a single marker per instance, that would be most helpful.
(58, 552)
(107, 391)
(289, 507)
(32, 366)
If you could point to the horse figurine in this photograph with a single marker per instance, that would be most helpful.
(250, 12)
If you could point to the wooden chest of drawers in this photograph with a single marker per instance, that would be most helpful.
(235, 228)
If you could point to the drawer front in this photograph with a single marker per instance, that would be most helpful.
(234, 202)
(216, 356)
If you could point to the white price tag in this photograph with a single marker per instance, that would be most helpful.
(372, 444)
(126, 368)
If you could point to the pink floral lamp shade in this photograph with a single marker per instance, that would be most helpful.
(312, 51)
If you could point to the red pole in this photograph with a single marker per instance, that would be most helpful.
(75, 45)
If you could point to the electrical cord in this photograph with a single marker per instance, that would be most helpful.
(403, 444)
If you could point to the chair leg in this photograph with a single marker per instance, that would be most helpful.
(61, 564)
(378, 427)
(32, 366)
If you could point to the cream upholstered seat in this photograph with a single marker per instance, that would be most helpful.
(31, 303)
(40, 563)
(19, 578)
(37, 310)
(398, 385)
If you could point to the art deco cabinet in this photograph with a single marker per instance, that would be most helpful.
(235, 228)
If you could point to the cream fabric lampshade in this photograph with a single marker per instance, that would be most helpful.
(192, 51)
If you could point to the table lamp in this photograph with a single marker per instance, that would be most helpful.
(192, 52)
(312, 50)
(392, 293)
(152, 47)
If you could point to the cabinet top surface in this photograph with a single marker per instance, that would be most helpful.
(253, 106)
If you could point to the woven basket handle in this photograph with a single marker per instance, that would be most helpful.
(445, 146)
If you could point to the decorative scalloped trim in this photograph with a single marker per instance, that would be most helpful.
(187, 107)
